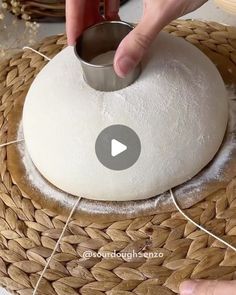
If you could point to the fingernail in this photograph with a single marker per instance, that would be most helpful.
(188, 287)
(125, 65)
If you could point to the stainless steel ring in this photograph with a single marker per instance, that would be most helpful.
(99, 39)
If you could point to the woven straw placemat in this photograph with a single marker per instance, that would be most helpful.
(28, 232)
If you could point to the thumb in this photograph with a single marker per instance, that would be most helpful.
(133, 47)
(208, 287)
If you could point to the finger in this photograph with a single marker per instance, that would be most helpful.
(208, 287)
(135, 44)
(75, 10)
(112, 9)
(80, 14)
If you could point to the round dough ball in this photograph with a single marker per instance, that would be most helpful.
(178, 107)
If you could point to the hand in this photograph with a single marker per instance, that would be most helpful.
(208, 288)
(81, 14)
(156, 15)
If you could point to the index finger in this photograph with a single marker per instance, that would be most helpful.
(80, 14)
(112, 9)
(75, 10)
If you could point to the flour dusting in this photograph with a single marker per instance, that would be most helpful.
(104, 58)
(214, 172)
(37, 181)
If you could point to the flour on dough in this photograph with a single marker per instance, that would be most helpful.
(104, 58)
(178, 107)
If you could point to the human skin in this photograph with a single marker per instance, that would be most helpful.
(81, 14)
(206, 287)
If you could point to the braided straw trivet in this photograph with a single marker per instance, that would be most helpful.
(28, 232)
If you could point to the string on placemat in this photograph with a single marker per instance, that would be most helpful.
(56, 246)
(71, 212)
(76, 205)
(47, 58)
(63, 230)
(199, 226)
(11, 142)
(36, 51)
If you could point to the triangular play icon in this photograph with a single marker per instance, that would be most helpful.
(117, 147)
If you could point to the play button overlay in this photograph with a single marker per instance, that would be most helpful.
(118, 147)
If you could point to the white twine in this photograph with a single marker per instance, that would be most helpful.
(35, 51)
(56, 246)
(76, 205)
(71, 212)
(63, 230)
(79, 199)
(199, 226)
(11, 142)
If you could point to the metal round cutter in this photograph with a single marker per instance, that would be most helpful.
(98, 40)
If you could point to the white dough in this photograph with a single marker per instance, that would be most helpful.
(104, 58)
(178, 108)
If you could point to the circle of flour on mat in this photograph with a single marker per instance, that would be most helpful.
(177, 107)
